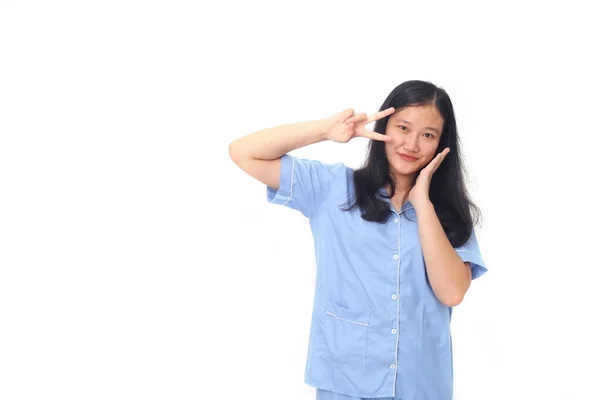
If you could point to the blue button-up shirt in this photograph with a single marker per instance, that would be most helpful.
(377, 330)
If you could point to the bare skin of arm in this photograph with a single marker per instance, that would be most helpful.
(259, 153)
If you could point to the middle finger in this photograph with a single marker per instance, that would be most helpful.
(381, 114)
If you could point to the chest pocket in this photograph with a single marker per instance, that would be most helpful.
(344, 335)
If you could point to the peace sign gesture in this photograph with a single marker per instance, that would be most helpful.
(345, 125)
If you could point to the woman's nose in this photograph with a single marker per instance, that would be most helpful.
(412, 143)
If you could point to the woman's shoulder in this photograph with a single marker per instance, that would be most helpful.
(317, 165)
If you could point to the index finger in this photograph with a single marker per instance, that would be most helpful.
(380, 114)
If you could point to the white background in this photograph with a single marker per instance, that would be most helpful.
(138, 262)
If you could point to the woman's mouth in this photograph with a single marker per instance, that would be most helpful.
(407, 158)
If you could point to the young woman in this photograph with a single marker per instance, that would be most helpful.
(394, 242)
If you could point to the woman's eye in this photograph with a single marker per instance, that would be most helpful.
(405, 129)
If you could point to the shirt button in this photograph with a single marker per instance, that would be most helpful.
(393, 366)
(396, 220)
(394, 331)
(395, 256)
(394, 297)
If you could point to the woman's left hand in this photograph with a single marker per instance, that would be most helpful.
(419, 193)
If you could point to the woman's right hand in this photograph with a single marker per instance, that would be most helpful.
(345, 125)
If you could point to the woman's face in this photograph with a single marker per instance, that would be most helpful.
(415, 132)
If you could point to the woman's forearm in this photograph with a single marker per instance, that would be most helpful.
(272, 143)
(448, 275)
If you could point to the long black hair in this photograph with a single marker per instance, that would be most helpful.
(447, 192)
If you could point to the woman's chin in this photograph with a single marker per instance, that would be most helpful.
(406, 170)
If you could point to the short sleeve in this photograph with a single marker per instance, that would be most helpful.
(303, 184)
(469, 252)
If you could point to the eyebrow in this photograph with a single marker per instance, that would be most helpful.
(427, 127)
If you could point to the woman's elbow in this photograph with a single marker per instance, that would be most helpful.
(452, 299)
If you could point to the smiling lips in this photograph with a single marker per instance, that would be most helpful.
(407, 158)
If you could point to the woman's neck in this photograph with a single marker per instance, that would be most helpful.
(402, 186)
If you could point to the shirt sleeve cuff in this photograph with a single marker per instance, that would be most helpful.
(286, 178)
(478, 266)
